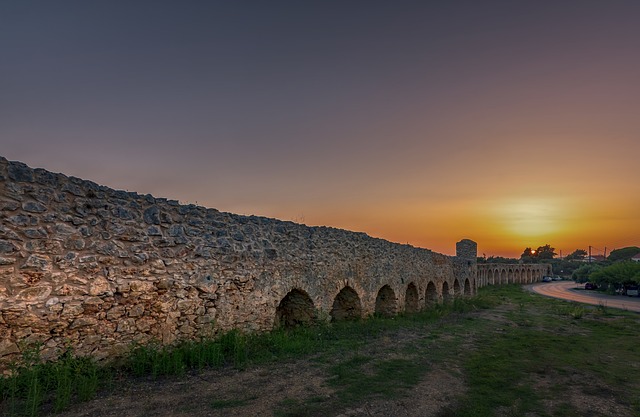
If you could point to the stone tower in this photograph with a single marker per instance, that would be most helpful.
(467, 250)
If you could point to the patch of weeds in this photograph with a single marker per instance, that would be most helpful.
(602, 308)
(496, 376)
(566, 410)
(294, 408)
(221, 404)
(577, 312)
(362, 377)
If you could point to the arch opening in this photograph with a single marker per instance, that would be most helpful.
(467, 288)
(411, 303)
(295, 309)
(456, 288)
(346, 305)
(431, 295)
(446, 294)
(385, 302)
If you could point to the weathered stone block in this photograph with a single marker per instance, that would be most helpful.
(7, 347)
(100, 286)
(38, 262)
(34, 207)
(34, 293)
(136, 310)
(20, 172)
(9, 205)
(7, 247)
(83, 322)
(7, 261)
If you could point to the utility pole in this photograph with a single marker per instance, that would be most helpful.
(605, 252)
(589, 253)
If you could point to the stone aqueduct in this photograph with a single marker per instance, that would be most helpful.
(496, 274)
(96, 269)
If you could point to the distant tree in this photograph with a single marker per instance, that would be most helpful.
(623, 254)
(545, 252)
(578, 255)
(618, 274)
(564, 267)
(583, 274)
(528, 253)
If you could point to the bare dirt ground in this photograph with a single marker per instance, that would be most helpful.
(258, 392)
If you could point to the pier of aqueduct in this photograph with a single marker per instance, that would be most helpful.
(96, 269)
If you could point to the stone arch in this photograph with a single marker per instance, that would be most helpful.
(411, 299)
(503, 277)
(386, 302)
(431, 295)
(468, 291)
(295, 309)
(456, 288)
(446, 294)
(346, 305)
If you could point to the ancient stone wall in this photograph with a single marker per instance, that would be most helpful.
(96, 269)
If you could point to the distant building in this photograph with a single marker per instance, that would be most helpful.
(636, 258)
(594, 258)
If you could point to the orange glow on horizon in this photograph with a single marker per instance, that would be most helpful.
(500, 226)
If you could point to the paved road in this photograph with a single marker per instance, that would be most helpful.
(569, 290)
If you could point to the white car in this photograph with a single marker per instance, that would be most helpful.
(547, 279)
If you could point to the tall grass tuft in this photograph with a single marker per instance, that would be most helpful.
(33, 384)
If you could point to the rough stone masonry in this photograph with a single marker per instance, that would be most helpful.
(86, 267)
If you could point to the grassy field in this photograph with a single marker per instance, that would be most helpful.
(505, 352)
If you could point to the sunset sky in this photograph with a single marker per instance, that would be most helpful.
(514, 124)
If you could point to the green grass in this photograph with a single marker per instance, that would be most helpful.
(504, 356)
(231, 403)
(358, 377)
(52, 386)
(507, 370)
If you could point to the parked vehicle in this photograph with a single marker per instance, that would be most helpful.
(547, 279)
(557, 278)
(633, 290)
(590, 286)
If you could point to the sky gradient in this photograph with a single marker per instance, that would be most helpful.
(511, 124)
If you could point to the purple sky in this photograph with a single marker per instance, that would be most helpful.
(413, 121)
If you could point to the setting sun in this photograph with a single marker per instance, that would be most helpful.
(530, 217)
